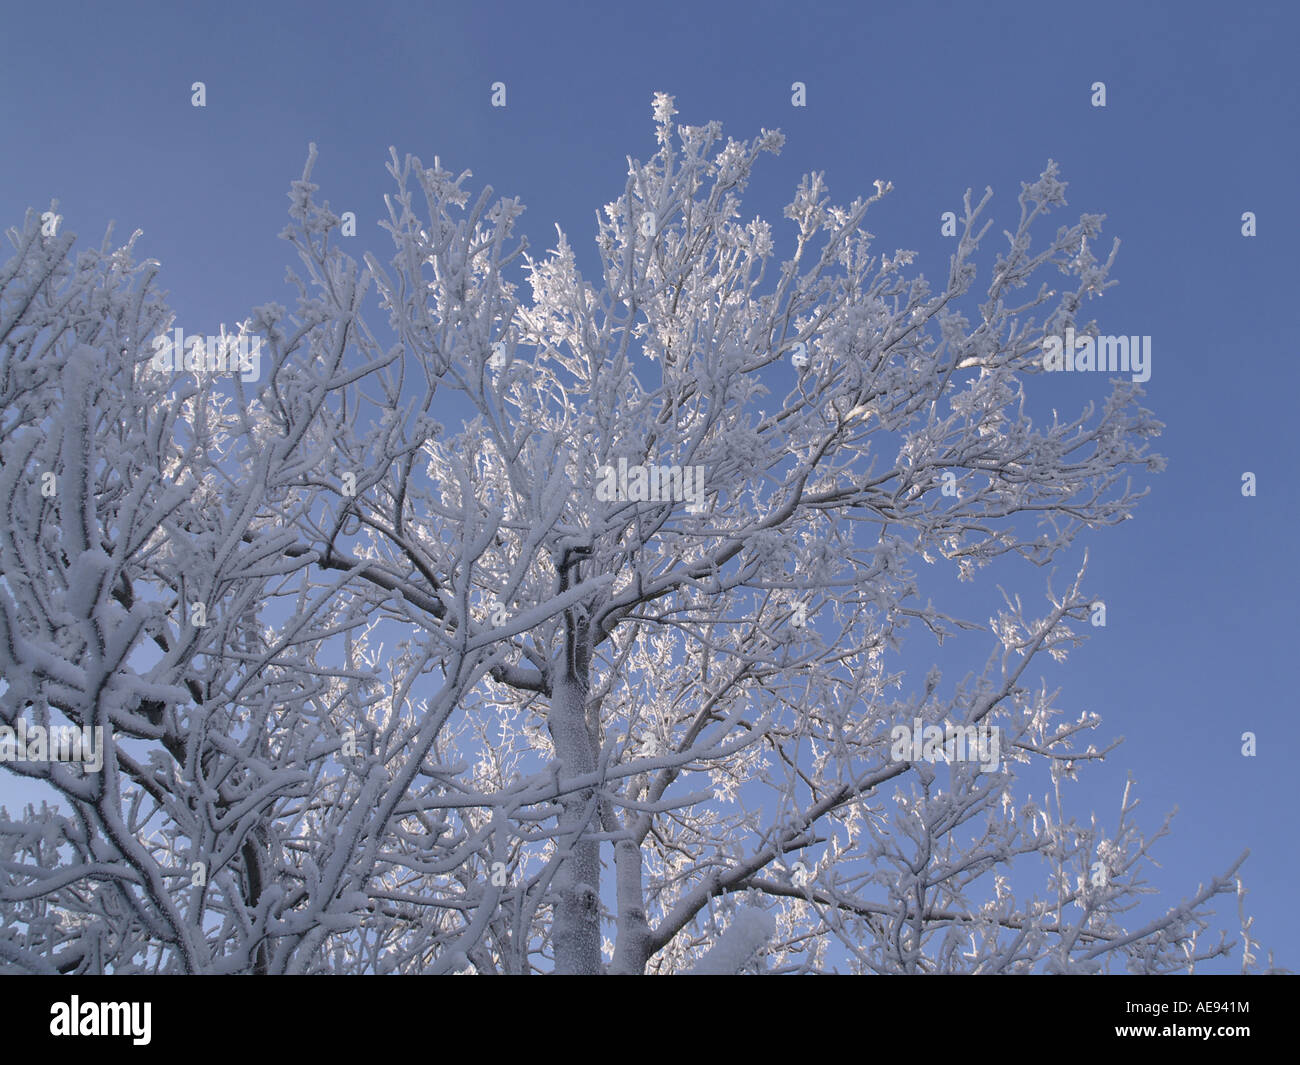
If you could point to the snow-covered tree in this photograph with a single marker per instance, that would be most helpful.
(606, 676)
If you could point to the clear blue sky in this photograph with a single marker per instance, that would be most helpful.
(1201, 125)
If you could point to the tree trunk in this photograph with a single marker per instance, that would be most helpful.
(576, 933)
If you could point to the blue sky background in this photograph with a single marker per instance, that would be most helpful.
(1201, 125)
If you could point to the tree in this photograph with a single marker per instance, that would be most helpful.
(639, 610)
